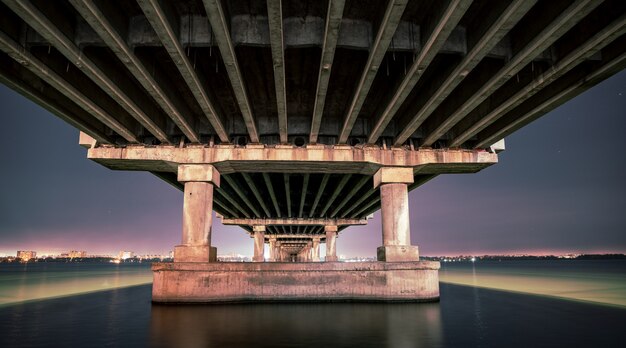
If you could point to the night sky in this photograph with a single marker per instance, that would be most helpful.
(560, 187)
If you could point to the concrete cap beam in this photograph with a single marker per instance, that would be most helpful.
(198, 172)
(387, 175)
(294, 222)
(330, 228)
(258, 228)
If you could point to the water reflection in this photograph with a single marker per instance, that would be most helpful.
(27, 282)
(293, 325)
(592, 281)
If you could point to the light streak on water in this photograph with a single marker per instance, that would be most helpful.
(601, 282)
(28, 282)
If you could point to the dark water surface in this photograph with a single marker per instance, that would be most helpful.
(467, 316)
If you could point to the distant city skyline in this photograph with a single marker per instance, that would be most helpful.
(559, 188)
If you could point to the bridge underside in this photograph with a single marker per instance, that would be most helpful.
(296, 119)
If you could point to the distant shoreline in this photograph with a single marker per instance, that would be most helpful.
(460, 258)
(526, 257)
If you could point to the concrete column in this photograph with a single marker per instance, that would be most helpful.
(278, 252)
(272, 248)
(331, 238)
(197, 213)
(394, 201)
(259, 243)
(316, 250)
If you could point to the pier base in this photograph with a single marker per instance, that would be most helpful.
(210, 282)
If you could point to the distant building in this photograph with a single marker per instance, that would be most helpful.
(126, 255)
(26, 255)
(77, 254)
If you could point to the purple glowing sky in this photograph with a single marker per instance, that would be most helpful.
(560, 187)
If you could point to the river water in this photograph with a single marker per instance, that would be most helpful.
(485, 304)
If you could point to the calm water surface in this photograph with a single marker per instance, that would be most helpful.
(467, 316)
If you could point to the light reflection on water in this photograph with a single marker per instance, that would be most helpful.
(467, 316)
(592, 281)
(36, 281)
(275, 325)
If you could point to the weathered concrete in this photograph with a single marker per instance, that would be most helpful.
(288, 159)
(395, 215)
(335, 281)
(315, 250)
(197, 214)
(331, 240)
(295, 222)
(259, 243)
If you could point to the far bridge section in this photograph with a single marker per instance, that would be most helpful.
(297, 119)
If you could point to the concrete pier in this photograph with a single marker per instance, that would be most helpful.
(276, 282)
(394, 212)
(331, 240)
(259, 243)
(197, 213)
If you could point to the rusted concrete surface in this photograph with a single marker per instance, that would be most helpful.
(195, 253)
(333, 281)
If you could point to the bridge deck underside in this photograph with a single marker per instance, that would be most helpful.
(295, 196)
(405, 73)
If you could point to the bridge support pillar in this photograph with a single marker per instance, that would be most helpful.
(331, 238)
(273, 253)
(315, 250)
(197, 213)
(259, 243)
(394, 196)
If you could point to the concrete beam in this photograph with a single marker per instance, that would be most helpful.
(270, 189)
(287, 237)
(539, 43)
(331, 35)
(305, 185)
(512, 122)
(338, 189)
(79, 118)
(584, 51)
(484, 44)
(37, 67)
(275, 20)
(161, 17)
(309, 31)
(340, 160)
(222, 37)
(256, 192)
(370, 205)
(222, 205)
(287, 193)
(368, 196)
(234, 202)
(98, 18)
(233, 184)
(200, 173)
(389, 175)
(350, 195)
(320, 191)
(437, 32)
(46, 28)
(387, 28)
(294, 222)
